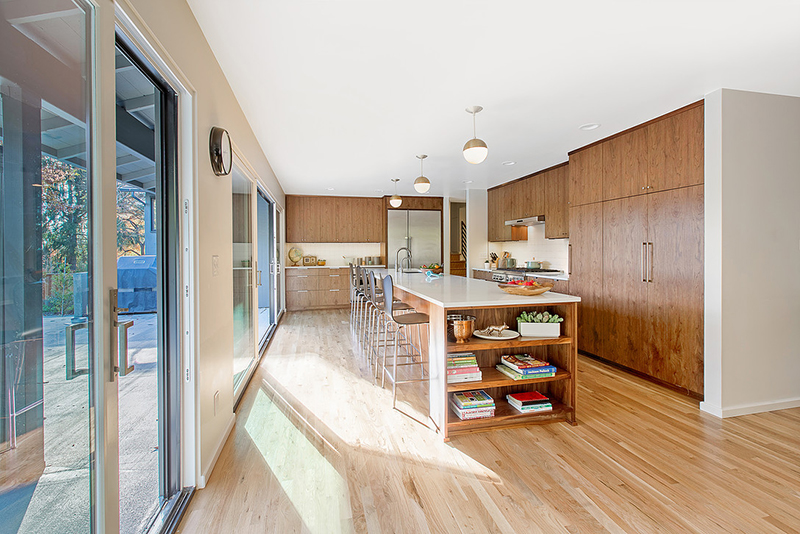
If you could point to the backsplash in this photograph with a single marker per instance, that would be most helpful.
(553, 252)
(332, 252)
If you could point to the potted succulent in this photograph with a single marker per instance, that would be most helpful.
(542, 324)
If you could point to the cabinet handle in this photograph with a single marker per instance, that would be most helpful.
(333, 290)
(569, 259)
(335, 275)
(643, 261)
(650, 278)
(302, 290)
(302, 276)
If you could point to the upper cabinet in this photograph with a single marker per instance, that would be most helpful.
(625, 165)
(676, 150)
(318, 219)
(556, 212)
(666, 153)
(586, 176)
(498, 209)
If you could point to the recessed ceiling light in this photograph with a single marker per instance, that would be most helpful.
(508, 163)
(330, 189)
(589, 126)
(379, 190)
(467, 181)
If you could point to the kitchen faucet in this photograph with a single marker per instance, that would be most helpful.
(398, 262)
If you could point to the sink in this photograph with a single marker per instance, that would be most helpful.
(412, 270)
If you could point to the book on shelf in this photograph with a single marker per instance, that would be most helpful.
(527, 397)
(466, 361)
(473, 399)
(471, 413)
(463, 370)
(526, 364)
(536, 408)
(467, 377)
(510, 373)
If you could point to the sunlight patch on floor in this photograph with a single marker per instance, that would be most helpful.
(317, 491)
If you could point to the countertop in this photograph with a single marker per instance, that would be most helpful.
(564, 276)
(329, 266)
(461, 292)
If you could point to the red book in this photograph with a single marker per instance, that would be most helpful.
(463, 370)
(528, 397)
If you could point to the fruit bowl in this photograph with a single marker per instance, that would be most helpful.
(528, 291)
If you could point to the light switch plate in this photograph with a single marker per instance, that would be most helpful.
(214, 265)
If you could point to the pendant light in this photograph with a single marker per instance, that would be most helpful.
(422, 184)
(395, 201)
(475, 151)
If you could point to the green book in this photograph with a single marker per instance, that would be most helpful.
(510, 373)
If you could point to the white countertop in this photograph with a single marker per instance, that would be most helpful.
(531, 275)
(461, 292)
(329, 266)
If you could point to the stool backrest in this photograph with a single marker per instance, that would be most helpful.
(388, 294)
(371, 293)
(353, 275)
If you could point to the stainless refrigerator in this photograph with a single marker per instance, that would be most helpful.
(420, 231)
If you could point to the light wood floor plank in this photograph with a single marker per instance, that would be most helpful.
(317, 448)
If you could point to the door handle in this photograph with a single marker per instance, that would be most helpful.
(71, 371)
(258, 278)
(643, 262)
(123, 368)
(650, 277)
(569, 259)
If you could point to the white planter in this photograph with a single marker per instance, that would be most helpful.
(539, 329)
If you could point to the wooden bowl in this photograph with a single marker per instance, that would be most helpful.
(527, 291)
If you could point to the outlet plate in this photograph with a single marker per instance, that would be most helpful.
(214, 265)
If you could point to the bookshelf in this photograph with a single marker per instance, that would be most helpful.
(560, 352)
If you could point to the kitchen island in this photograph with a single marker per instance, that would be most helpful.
(439, 297)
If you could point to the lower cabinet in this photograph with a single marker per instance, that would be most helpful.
(479, 274)
(317, 288)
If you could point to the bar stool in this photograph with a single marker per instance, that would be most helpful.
(396, 325)
(375, 298)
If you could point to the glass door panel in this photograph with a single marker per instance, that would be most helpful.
(46, 366)
(266, 268)
(244, 353)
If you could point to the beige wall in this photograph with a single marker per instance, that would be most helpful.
(752, 253)
(172, 24)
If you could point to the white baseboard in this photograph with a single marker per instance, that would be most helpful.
(747, 409)
(201, 481)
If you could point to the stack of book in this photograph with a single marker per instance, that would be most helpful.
(524, 367)
(472, 405)
(463, 367)
(530, 402)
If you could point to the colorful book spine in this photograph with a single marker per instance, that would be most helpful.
(541, 408)
(519, 376)
(462, 370)
(471, 413)
(457, 379)
(469, 399)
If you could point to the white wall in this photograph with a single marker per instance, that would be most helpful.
(752, 249)
(477, 229)
(553, 252)
(174, 33)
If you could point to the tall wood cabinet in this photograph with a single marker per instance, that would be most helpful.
(556, 182)
(586, 272)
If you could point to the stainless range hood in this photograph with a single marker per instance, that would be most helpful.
(526, 221)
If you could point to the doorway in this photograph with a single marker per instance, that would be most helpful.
(267, 271)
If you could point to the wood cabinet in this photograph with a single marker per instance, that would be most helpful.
(586, 176)
(316, 288)
(586, 271)
(676, 150)
(527, 197)
(556, 209)
(652, 286)
(479, 274)
(675, 289)
(496, 202)
(625, 165)
(323, 219)
(624, 281)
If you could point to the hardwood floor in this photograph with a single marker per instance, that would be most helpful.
(317, 448)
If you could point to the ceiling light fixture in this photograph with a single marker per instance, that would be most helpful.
(509, 163)
(330, 189)
(395, 201)
(422, 184)
(475, 151)
(589, 126)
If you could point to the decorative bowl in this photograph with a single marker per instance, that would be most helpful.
(527, 291)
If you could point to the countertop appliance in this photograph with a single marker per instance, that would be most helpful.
(418, 230)
(509, 275)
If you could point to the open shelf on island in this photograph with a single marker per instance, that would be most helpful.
(505, 416)
(475, 343)
(492, 378)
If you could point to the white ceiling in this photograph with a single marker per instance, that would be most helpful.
(344, 94)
